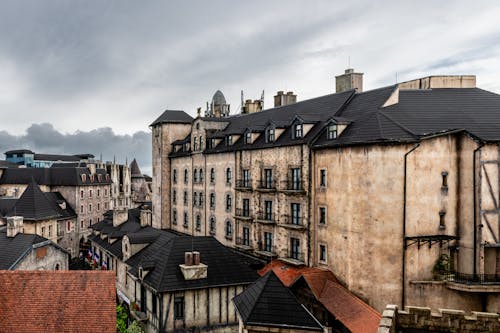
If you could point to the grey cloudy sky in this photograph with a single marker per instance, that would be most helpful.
(89, 76)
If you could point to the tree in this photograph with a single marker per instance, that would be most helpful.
(135, 327)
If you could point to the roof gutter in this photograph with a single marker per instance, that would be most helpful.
(403, 264)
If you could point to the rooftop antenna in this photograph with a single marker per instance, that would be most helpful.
(396, 77)
(242, 101)
(262, 99)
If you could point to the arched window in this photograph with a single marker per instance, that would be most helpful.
(228, 202)
(212, 225)
(201, 175)
(195, 176)
(195, 198)
(212, 175)
(186, 176)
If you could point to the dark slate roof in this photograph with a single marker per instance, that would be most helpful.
(419, 113)
(225, 267)
(5, 165)
(14, 248)
(34, 205)
(19, 151)
(53, 157)
(268, 302)
(63, 176)
(6, 205)
(134, 170)
(173, 116)
(58, 202)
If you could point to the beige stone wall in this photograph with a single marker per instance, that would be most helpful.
(163, 136)
(47, 257)
(364, 199)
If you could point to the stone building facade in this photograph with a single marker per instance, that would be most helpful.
(395, 187)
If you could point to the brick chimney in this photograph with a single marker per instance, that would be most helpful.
(14, 226)
(282, 99)
(193, 269)
(348, 81)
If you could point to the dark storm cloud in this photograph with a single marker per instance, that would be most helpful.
(44, 138)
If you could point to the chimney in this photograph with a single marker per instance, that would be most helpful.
(282, 99)
(252, 106)
(120, 215)
(348, 81)
(14, 226)
(193, 269)
(145, 217)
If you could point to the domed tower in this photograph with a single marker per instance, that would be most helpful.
(219, 107)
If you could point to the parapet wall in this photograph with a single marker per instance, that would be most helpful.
(445, 320)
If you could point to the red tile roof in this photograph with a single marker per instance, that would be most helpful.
(351, 311)
(57, 301)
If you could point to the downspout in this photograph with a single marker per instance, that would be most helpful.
(403, 269)
(310, 213)
(475, 207)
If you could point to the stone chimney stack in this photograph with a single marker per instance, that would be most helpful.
(120, 215)
(146, 217)
(14, 226)
(252, 106)
(348, 81)
(282, 99)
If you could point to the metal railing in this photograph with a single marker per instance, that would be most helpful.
(295, 255)
(293, 221)
(292, 185)
(242, 212)
(241, 241)
(266, 217)
(244, 183)
(452, 276)
(267, 184)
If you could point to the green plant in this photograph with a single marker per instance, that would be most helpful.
(121, 319)
(442, 265)
(135, 327)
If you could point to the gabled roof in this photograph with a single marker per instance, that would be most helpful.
(173, 116)
(57, 301)
(225, 267)
(267, 302)
(34, 205)
(15, 248)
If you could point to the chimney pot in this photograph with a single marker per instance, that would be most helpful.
(196, 258)
(188, 258)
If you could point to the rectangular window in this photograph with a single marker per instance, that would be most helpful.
(268, 242)
(174, 196)
(268, 210)
(212, 175)
(295, 248)
(81, 209)
(296, 179)
(229, 176)
(268, 178)
(185, 219)
(322, 177)
(174, 216)
(322, 253)
(43, 231)
(228, 202)
(98, 192)
(229, 140)
(332, 132)
(186, 176)
(246, 178)
(270, 135)
(81, 194)
(90, 208)
(50, 231)
(174, 176)
(246, 207)
(248, 138)
(298, 131)
(185, 198)
(295, 207)
(179, 307)
(90, 193)
(246, 236)
(322, 215)
(98, 206)
(212, 200)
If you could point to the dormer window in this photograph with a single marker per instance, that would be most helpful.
(248, 138)
(270, 135)
(332, 131)
(298, 131)
(229, 140)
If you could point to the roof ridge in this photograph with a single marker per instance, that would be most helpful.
(397, 123)
(264, 280)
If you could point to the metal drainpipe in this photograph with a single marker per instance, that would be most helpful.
(403, 270)
(309, 173)
(475, 207)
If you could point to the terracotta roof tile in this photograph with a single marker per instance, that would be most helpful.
(351, 311)
(57, 301)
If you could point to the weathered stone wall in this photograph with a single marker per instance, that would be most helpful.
(46, 257)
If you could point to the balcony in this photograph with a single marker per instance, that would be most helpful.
(478, 283)
(292, 187)
(293, 222)
(266, 218)
(243, 185)
(242, 214)
(267, 251)
(266, 185)
(294, 258)
(244, 244)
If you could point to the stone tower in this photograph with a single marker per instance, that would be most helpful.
(172, 125)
